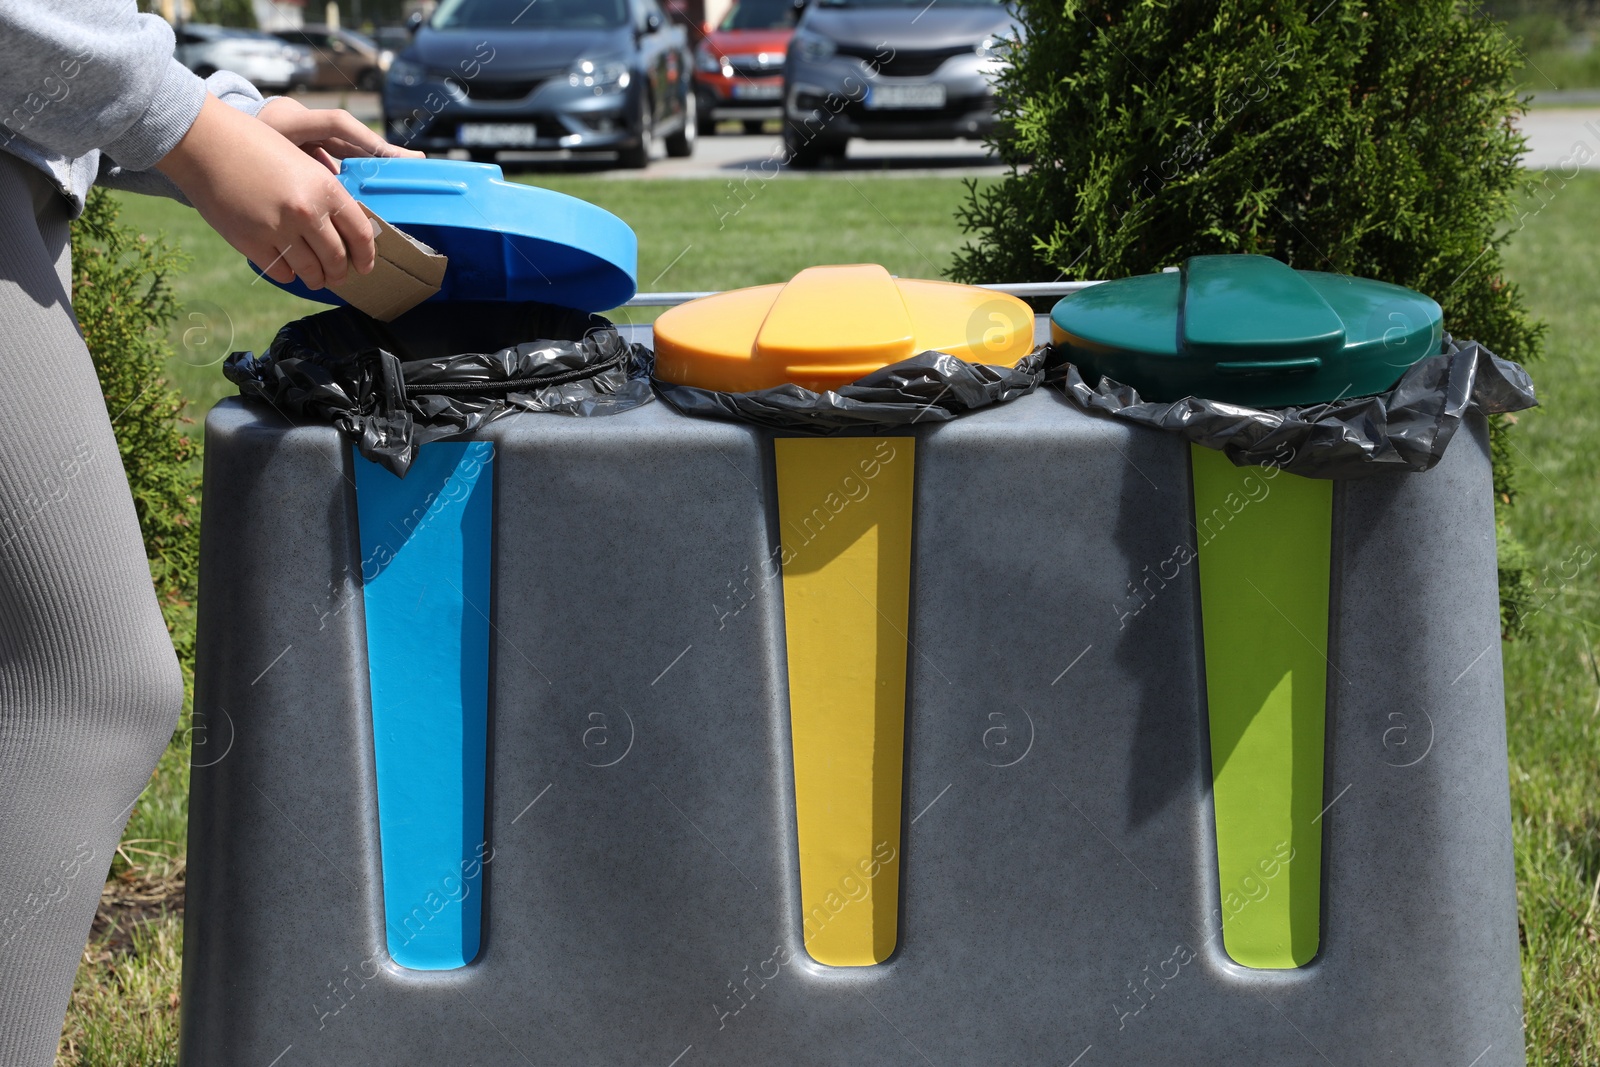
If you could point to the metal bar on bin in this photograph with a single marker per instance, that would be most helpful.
(662, 300)
(425, 550)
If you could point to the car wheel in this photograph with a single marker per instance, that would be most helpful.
(704, 124)
(370, 80)
(636, 156)
(680, 145)
(803, 151)
(754, 126)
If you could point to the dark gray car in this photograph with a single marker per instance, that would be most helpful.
(891, 69)
(573, 75)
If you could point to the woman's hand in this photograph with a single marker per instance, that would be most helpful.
(327, 135)
(271, 200)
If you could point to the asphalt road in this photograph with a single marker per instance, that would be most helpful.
(730, 155)
(1559, 138)
(1562, 137)
(733, 155)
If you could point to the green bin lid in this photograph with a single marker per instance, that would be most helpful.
(1247, 330)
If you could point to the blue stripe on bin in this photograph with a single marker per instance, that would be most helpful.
(425, 552)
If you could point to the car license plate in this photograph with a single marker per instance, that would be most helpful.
(757, 91)
(906, 96)
(497, 134)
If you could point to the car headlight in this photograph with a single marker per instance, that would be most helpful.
(601, 75)
(405, 71)
(993, 47)
(812, 47)
(707, 61)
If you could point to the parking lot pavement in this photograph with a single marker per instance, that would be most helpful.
(727, 155)
(736, 156)
(1558, 138)
(364, 106)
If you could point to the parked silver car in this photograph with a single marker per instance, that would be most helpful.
(259, 58)
(891, 69)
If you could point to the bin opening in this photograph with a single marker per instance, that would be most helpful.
(1245, 329)
(440, 370)
(1321, 375)
(830, 326)
(439, 331)
(845, 347)
(1407, 428)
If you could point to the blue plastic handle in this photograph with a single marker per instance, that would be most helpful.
(411, 185)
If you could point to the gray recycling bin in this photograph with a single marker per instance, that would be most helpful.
(980, 815)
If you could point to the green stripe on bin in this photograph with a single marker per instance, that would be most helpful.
(1264, 546)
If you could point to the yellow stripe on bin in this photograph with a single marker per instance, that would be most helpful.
(844, 509)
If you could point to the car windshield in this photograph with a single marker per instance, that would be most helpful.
(759, 15)
(531, 14)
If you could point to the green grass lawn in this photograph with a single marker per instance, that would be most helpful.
(1552, 680)
(694, 235)
(1555, 56)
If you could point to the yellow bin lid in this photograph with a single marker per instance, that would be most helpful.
(832, 325)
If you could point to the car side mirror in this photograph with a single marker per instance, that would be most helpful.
(652, 23)
(414, 22)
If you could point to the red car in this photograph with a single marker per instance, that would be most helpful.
(738, 69)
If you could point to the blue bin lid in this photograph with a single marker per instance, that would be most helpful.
(504, 240)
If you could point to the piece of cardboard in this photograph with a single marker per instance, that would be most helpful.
(405, 273)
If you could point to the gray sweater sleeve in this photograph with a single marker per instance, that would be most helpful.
(87, 74)
(226, 86)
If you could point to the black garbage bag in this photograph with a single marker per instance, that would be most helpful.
(1405, 429)
(441, 370)
(929, 387)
